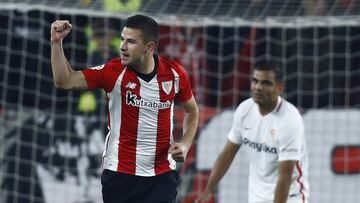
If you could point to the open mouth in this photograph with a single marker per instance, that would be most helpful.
(123, 55)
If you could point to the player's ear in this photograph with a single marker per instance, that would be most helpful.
(280, 87)
(150, 47)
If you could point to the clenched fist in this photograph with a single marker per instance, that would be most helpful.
(59, 30)
(179, 151)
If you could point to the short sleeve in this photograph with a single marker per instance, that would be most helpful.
(103, 76)
(291, 138)
(185, 90)
(235, 134)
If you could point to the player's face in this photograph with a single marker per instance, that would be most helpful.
(132, 47)
(264, 87)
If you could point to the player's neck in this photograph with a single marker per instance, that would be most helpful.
(267, 108)
(147, 65)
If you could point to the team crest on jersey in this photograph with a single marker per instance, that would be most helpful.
(273, 132)
(167, 86)
(98, 67)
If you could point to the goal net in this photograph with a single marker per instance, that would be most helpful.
(51, 140)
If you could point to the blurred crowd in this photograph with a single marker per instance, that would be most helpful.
(234, 8)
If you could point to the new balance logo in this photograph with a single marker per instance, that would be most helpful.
(98, 67)
(131, 85)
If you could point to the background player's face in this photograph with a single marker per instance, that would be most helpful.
(132, 47)
(264, 87)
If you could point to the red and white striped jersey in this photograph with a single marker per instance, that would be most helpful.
(140, 115)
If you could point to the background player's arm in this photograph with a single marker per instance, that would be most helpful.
(179, 150)
(222, 164)
(283, 184)
(65, 77)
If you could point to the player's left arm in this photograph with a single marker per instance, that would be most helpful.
(283, 183)
(179, 150)
(289, 154)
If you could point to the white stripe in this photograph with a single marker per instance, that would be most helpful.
(147, 130)
(172, 123)
(105, 149)
(172, 162)
(176, 81)
(111, 152)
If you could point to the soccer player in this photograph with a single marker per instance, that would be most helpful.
(140, 154)
(271, 131)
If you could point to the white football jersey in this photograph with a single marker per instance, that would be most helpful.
(277, 136)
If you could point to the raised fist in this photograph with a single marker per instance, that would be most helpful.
(59, 30)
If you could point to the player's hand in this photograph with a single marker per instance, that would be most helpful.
(203, 197)
(179, 151)
(59, 30)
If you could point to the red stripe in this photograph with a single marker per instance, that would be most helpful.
(278, 108)
(163, 127)
(299, 181)
(129, 126)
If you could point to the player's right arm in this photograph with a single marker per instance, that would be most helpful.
(222, 164)
(65, 77)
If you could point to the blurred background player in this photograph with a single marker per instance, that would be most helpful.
(271, 131)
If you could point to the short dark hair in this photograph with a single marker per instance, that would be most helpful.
(271, 66)
(146, 24)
